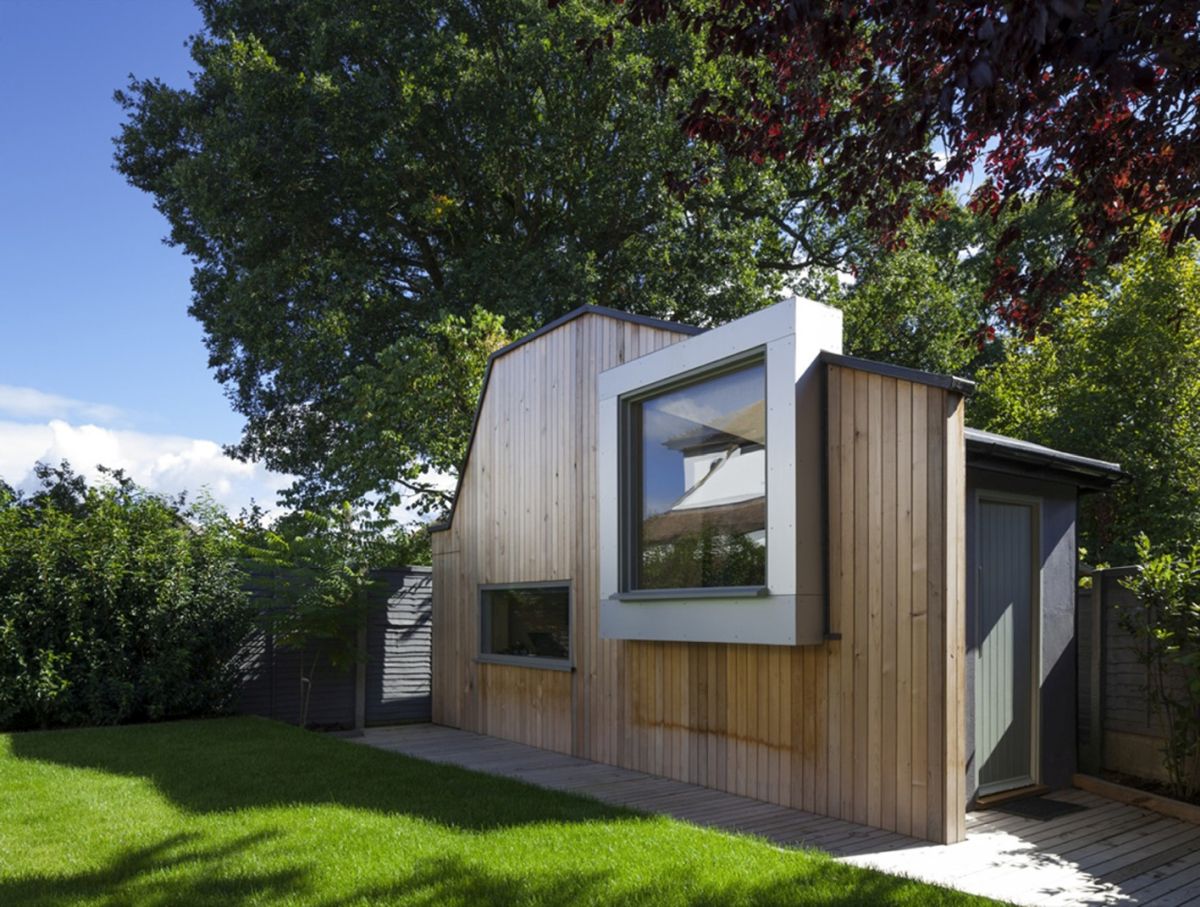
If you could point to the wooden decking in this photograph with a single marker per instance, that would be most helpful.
(1109, 853)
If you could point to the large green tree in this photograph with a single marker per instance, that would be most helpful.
(919, 304)
(1117, 378)
(925, 299)
(365, 188)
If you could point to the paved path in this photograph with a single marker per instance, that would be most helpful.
(1109, 853)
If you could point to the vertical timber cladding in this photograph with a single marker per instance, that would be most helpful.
(868, 727)
(526, 512)
(897, 492)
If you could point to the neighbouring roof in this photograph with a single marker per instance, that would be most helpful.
(985, 449)
(748, 424)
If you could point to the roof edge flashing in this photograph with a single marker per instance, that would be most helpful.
(1013, 450)
(604, 312)
(917, 376)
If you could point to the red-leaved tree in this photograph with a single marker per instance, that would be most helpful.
(1095, 101)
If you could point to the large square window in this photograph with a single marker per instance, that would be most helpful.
(526, 623)
(698, 483)
(709, 488)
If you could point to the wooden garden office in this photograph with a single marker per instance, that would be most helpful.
(738, 558)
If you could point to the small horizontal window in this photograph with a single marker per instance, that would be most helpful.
(526, 622)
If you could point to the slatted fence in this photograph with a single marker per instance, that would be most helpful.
(391, 684)
(1118, 730)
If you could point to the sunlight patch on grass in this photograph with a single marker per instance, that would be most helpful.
(245, 811)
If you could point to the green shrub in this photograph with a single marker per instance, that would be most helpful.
(1166, 625)
(116, 605)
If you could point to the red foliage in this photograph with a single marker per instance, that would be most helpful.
(1098, 100)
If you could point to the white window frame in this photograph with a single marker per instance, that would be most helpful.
(790, 335)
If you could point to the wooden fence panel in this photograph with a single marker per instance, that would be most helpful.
(397, 675)
(1117, 728)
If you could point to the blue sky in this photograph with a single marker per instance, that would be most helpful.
(98, 357)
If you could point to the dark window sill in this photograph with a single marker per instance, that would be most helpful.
(521, 661)
(659, 595)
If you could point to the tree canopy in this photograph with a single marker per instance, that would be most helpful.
(1118, 379)
(366, 189)
(1097, 101)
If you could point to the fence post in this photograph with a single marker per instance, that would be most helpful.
(1091, 627)
(360, 679)
(1099, 644)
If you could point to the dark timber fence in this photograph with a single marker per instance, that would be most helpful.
(390, 684)
(1118, 730)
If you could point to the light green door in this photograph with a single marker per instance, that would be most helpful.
(1004, 684)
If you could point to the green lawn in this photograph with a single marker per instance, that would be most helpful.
(245, 811)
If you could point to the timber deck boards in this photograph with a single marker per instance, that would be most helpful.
(1110, 853)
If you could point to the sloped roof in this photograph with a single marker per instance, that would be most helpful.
(985, 446)
(603, 312)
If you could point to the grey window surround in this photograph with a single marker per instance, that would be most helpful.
(792, 333)
(525, 661)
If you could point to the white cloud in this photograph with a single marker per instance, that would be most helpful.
(38, 426)
(30, 403)
(162, 463)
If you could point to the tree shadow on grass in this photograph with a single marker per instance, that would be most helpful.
(150, 875)
(229, 764)
(453, 880)
(179, 869)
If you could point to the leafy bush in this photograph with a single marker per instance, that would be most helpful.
(115, 605)
(1166, 625)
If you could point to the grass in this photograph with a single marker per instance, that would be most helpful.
(246, 811)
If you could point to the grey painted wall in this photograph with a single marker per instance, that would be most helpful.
(1056, 722)
(399, 646)
(397, 675)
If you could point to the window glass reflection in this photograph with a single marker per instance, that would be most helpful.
(703, 480)
(527, 622)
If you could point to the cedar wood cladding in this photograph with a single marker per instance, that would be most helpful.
(868, 727)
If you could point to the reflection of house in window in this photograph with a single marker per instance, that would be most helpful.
(703, 484)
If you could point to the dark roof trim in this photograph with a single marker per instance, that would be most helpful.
(604, 312)
(1085, 471)
(617, 314)
(946, 382)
